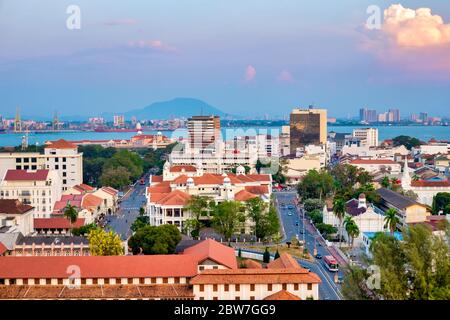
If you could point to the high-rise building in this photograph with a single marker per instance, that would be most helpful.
(383, 117)
(423, 116)
(368, 135)
(119, 121)
(307, 126)
(394, 115)
(367, 115)
(203, 133)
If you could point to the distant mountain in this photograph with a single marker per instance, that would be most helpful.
(176, 108)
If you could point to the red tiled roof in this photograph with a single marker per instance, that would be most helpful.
(375, 161)
(425, 183)
(260, 177)
(258, 189)
(56, 223)
(60, 144)
(84, 187)
(244, 195)
(90, 201)
(182, 168)
(3, 249)
(13, 206)
(282, 295)
(26, 175)
(174, 198)
(110, 190)
(210, 249)
(139, 266)
(209, 178)
(251, 264)
(285, 261)
(156, 179)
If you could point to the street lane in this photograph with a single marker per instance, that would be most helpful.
(328, 290)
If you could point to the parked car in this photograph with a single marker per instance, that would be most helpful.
(318, 256)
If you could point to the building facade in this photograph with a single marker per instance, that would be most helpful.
(307, 127)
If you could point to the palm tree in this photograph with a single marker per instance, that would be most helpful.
(391, 220)
(71, 214)
(339, 211)
(351, 228)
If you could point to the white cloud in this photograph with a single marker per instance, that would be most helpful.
(250, 73)
(415, 28)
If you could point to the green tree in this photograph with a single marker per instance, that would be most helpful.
(198, 206)
(266, 221)
(391, 220)
(131, 161)
(277, 255)
(316, 184)
(161, 239)
(141, 211)
(408, 142)
(339, 211)
(386, 182)
(102, 243)
(71, 214)
(441, 202)
(140, 222)
(351, 228)
(84, 230)
(228, 217)
(313, 204)
(115, 177)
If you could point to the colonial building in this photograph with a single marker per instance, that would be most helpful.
(166, 199)
(207, 270)
(39, 188)
(16, 217)
(50, 246)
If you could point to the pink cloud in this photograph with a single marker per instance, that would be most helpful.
(285, 76)
(414, 41)
(250, 73)
(152, 44)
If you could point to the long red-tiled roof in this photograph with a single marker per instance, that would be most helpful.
(282, 295)
(60, 144)
(430, 184)
(84, 188)
(260, 177)
(159, 189)
(3, 249)
(72, 199)
(244, 195)
(210, 249)
(14, 206)
(110, 190)
(285, 261)
(56, 223)
(183, 168)
(374, 161)
(156, 179)
(255, 276)
(258, 189)
(26, 175)
(98, 266)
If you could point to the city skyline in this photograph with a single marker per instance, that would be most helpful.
(125, 58)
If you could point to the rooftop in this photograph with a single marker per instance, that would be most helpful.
(56, 223)
(396, 199)
(26, 175)
(60, 144)
(282, 295)
(13, 206)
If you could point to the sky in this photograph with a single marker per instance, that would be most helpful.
(252, 57)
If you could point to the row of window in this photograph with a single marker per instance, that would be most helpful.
(95, 281)
(237, 287)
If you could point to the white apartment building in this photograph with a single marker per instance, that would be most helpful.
(16, 217)
(38, 188)
(369, 136)
(432, 148)
(60, 156)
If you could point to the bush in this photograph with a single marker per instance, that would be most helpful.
(277, 254)
(313, 204)
(326, 228)
(316, 216)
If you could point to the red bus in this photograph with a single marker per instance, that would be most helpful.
(142, 181)
(331, 263)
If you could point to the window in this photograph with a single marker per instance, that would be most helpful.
(56, 167)
(201, 268)
(201, 288)
(252, 297)
(165, 280)
(226, 287)
(215, 287)
(269, 287)
(237, 298)
(252, 287)
(176, 280)
(201, 298)
(64, 159)
(284, 286)
(18, 160)
(215, 298)
(64, 167)
(295, 286)
(34, 160)
(237, 287)
(309, 286)
(153, 280)
(64, 181)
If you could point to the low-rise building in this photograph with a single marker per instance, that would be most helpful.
(51, 246)
(56, 226)
(377, 165)
(16, 217)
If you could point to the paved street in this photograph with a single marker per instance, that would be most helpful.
(328, 290)
(129, 210)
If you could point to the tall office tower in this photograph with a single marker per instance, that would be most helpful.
(307, 126)
(119, 121)
(17, 121)
(394, 115)
(369, 135)
(203, 133)
(423, 116)
(367, 115)
(383, 117)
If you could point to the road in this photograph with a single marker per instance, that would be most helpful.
(328, 290)
(129, 210)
